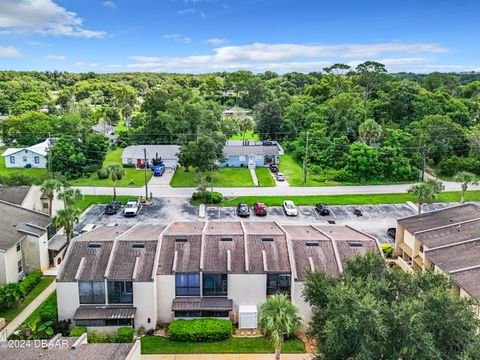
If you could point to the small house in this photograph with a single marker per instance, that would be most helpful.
(252, 154)
(34, 156)
(135, 155)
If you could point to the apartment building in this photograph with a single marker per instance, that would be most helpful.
(447, 241)
(137, 275)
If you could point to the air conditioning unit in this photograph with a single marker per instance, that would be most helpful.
(247, 316)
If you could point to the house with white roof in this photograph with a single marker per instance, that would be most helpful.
(34, 156)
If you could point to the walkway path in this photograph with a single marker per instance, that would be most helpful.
(20, 318)
(167, 191)
(226, 357)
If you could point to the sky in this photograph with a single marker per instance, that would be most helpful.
(198, 36)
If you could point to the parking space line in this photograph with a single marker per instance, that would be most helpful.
(380, 209)
(397, 210)
(365, 212)
(332, 212)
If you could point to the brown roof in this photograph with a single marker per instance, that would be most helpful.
(216, 249)
(348, 248)
(125, 258)
(468, 280)
(185, 228)
(262, 228)
(104, 312)
(450, 234)
(320, 252)
(304, 232)
(456, 257)
(204, 303)
(14, 194)
(16, 222)
(445, 216)
(276, 253)
(341, 232)
(187, 248)
(224, 228)
(143, 232)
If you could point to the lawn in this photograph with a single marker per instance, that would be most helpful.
(35, 315)
(88, 200)
(264, 177)
(4, 171)
(249, 135)
(132, 178)
(223, 177)
(363, 199)
(161, 345)
(10, 314)
(293, 172)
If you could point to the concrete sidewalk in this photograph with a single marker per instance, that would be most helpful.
(226, 357)
(20, 318)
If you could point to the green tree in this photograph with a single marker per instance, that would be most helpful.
(279, 319)
(70, 196)
(466, 178)
(371, 76)
(243, 123)
(370, 131)
(67, 218)
(363, 163)
(426, 192)
(50, 187)
(269, 120)
(210, 145)
(116, 172)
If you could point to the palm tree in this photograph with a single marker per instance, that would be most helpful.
(466, 178)
(70, 196)
(67, 218)
(426, 192)
(243, 123)
(278, 318)
(116, 172)
(370, 131)
(49, 188)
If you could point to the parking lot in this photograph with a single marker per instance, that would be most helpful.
(375, 219)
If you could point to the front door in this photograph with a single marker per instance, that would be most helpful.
(251, 160)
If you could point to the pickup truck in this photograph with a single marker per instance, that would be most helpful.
(132, 208)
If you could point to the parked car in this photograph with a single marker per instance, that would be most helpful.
(392, 233)
(322, 209)
(87, 228)
(112, 207)
(158, 170)
(357, 212)
(273, 168)
(132, 208)
(280, 176)
(260, 209)
(243, 210)
(290, 208)
(268, 143)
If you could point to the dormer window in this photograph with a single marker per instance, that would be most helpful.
(94, 245)
(355, 244)
(267, 238)
(312, 243)
(138, 246)
(181, 240)
(226, 238)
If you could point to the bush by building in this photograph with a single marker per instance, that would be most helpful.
(200, 330)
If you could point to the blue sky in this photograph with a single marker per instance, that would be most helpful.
(258, 35)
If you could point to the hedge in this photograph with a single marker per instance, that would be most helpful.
(48, 311)
(77, 331)
(12, 293)
(208, 197)
(124, 335)
(100, 337)
(29, 282)
(200, 330)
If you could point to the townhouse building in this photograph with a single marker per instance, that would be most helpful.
(138, 275)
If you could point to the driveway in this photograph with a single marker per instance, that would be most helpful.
(163, 180)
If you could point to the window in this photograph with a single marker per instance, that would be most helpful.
(187, 284)
(181, 240)
(138, 246)
(94, 245)
(278, 283)
(36, 159)
(312, 243)
(19, 247)
(226, 238)
(421, 248)
(196, 314)
(104, 322)
(24, 158)
(19, 266)
(215, 284)
(355, 244)
(129, 161)
(91, 292)
(12, 159)
(120, 292)
(45, 205)
(267, 238)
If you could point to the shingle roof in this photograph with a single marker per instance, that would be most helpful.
(40, 148)
(14, 194)
(16, 222)
(319, 253)
(166, 152)
(273, 248)
(349, 248)
(104, 312)
(204, 303)
(469, 281)
(452, 233)
(250, 150)
(183, 251)
(456, 257)
(445, 216)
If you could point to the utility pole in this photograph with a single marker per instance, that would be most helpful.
(305, 159)
(424, 162)
(49, 154)
(145, 169)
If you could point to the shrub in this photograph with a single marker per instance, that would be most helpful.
(10, 294)
(89, 169)
(208, 197)
(216, 197)
(387, 250)
(124, 335)
(102, 173)
(78, 331)
(200, 330)
(48, 310)
(27, 284)
(100, 337)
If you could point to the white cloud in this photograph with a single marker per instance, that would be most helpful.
(9, 52)
(109, 4)
(44, 17)
(55, 57)
(216, 41)
(178, 38)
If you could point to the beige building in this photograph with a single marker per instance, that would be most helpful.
(447, 241)
(30, 197)
(138, 275)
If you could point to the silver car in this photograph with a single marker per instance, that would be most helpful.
(280, 177)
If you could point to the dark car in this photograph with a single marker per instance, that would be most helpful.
(260, 209)
(267, 143)
(273, 168)
(357, 212)
(392, 233)
(112, 207)
(322, 209)
(243, 210)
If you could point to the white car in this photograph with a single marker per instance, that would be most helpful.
(132, 208)
(290, 208)
(280, 177)
(87, 228)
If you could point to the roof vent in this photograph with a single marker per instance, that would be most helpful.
(312, 243)
(138, 246)
(94, 245)
(181, 240)
(355, 244)
(267, 238)
(226, 238)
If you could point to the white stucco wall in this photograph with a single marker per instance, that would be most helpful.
(165, 296)
(247, 289)
(30, 159)
(33, 201)
(145, 301)
(35, 253)
(11, 258)
(304, 308)
(67, 299)
(3, 270)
